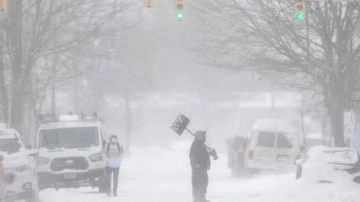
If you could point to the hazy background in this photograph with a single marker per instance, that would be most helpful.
(160, 65)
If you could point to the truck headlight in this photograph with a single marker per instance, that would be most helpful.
(42, 160)
(96, 157)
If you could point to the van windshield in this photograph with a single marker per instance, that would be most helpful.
(70, 138)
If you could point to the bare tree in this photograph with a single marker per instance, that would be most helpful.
(321, 55)
(42, 37)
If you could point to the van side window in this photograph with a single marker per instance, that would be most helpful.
(283, 142)
(266, 139)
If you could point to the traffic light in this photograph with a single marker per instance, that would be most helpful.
(180, 6)
(4, 5)
(300, 10)
(149, 3)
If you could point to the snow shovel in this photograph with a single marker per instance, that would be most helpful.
(180, 125)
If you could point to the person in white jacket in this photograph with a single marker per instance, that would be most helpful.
(114, 154)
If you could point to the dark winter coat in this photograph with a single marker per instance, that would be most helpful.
(199, 156)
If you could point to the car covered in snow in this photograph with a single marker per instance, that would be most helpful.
(329, 165)
(273, 145)
(312, 140)
(71, 151)
(19, 168)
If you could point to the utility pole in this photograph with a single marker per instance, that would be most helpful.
(53, 90)
(53, 72)
(127, 109)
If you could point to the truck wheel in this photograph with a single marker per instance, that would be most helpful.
(101, 185)
(357, 179)
(298, 172)
(33, 196)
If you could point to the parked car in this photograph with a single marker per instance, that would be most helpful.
(19, 168)
(236, 155)
(273, 145)
(329, 165)
(71, 151)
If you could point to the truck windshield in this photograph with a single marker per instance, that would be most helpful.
(70, 138)
(10, 145)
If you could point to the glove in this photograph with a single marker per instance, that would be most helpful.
(213, 153)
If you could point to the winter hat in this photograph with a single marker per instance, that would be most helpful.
(200, 134)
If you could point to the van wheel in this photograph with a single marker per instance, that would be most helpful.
(357, 179)
(101, 189)
(298, 172)
(33, 196)
(101, 185)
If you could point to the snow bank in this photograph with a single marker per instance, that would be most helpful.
(327, 164)
(158, 174)
(333, 155)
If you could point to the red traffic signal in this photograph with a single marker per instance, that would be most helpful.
(4, 5)
(149, 3)
(180, 4)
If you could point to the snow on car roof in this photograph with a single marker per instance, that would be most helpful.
(273, 125)
(341, 155)
(73, 117)
(69, 124)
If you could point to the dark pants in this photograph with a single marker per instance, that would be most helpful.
(199, 184)
(115, 173)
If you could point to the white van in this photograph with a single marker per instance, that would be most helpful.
(273, 145)
(71, 152)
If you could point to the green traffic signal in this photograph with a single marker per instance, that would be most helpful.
(180, 15)
(300, 16)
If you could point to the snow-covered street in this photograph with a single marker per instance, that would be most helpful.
(163, 174)
(133, 100)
